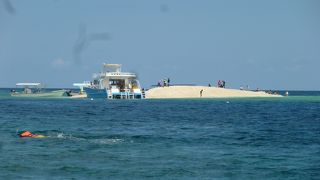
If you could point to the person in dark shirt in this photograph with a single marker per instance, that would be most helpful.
(201, 92)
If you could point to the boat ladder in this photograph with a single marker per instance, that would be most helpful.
(109, 94)
(143, 93)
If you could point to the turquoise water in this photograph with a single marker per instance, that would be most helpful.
(256, 138)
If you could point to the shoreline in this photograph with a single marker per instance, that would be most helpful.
(187, 92)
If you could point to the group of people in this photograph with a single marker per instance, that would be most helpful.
(273, 92)
(164, 82)
(221, 84)
(258, 90)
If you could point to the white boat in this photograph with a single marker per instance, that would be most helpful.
(112, 83)
(35, 90)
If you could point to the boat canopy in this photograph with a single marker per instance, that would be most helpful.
(111, 67)
(81, 84)
(28, 84)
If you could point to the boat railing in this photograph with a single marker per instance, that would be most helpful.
(115, 93)
(117, 74)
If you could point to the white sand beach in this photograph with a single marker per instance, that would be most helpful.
(208, 92)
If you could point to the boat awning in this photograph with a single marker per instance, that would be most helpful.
(81, 84)
(112, 65)
(28, 84)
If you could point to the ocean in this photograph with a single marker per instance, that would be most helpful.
(236, 138)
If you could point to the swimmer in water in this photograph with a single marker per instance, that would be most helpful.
(30, 135)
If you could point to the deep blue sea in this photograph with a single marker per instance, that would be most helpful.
(249, 138)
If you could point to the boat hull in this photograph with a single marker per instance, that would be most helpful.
(58, 93)
(95, 93)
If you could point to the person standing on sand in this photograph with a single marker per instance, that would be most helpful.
(201, 92)
(168, 81)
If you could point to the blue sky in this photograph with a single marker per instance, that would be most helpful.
(266, 44)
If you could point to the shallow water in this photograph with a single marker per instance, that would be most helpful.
(251, 138)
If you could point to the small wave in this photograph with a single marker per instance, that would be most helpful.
(107, 141)
(60, 135)
(81, 139)
(90, 113)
